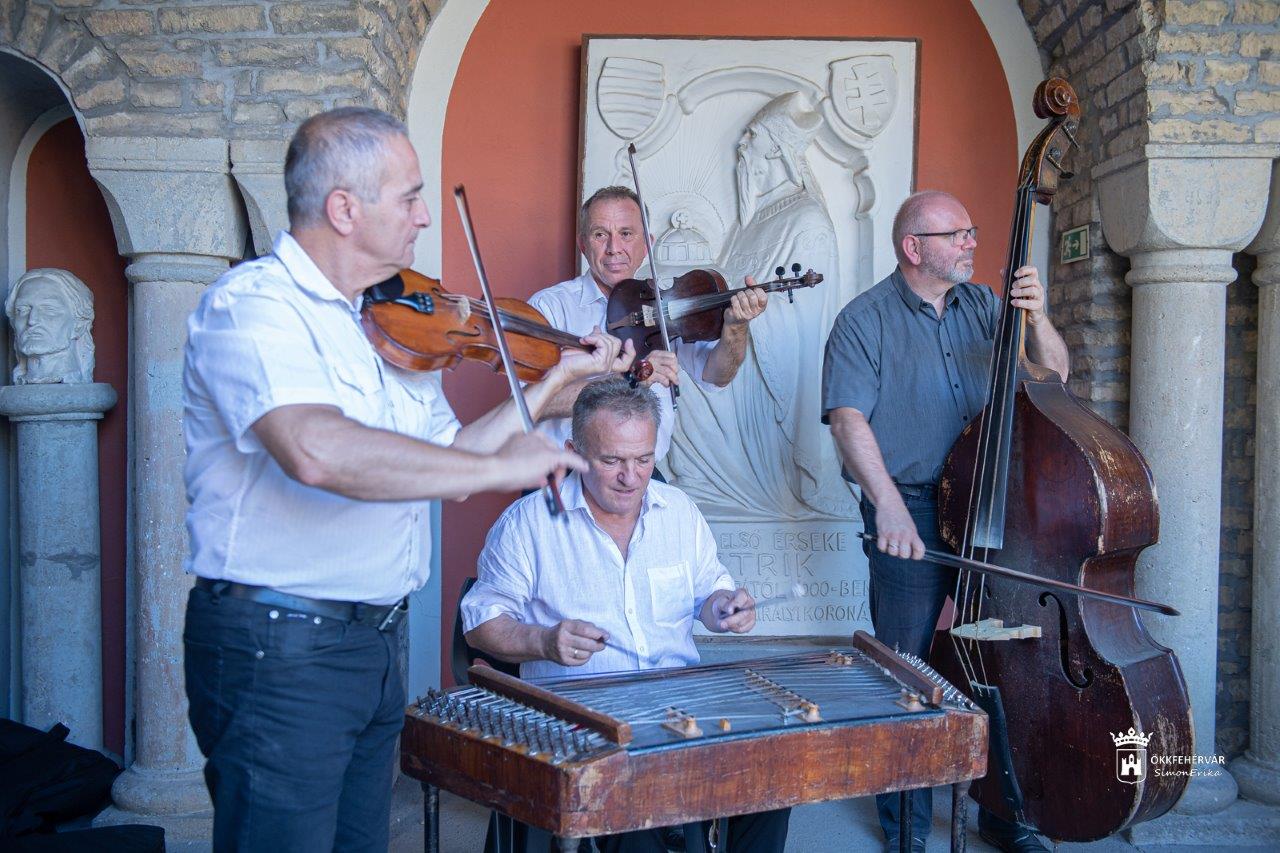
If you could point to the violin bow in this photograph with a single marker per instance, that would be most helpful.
(956, 561)
(653, 269)
(552, 493)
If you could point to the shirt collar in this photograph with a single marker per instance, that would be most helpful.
(588, 291)
(304, 270)
(912, 299)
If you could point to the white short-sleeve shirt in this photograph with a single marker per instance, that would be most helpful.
(274, 332)
(540, 570)
(577, 306)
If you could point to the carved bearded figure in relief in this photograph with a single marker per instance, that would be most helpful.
(51, 312)
(757, 449)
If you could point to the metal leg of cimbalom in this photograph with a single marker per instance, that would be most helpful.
(959, 816)
(431, 818)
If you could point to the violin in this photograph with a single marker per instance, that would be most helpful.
(415, 324)
(693, 307)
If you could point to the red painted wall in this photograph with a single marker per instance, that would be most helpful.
(511, 134)
(68, 227)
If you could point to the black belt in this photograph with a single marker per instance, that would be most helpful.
(384, 617)
(927, 490)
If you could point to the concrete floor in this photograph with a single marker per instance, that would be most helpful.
(847, 825)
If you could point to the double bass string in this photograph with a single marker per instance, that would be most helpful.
(984, 490)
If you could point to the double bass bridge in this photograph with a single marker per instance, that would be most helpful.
(995, 630)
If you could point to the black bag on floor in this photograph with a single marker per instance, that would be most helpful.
(45, 781)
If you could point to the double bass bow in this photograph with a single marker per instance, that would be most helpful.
(1041, 482)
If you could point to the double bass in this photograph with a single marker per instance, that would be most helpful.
(1041, 483)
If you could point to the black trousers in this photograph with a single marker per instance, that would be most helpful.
(906, 600)
(297, 717)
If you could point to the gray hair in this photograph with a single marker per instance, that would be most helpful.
(340, 149)
(80, 298)
(614, 193)
(614, 395)
(912, 216)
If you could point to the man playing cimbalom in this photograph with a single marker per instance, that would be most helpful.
(905, 369)
(310, 462)
(616, 584)
(611, 238)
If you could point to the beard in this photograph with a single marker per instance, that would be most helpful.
(748, 195)
(958, 271)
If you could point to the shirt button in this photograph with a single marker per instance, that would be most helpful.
(948, 355)
(274, 614)
(631, 611)
(259, 654)
(316, 620)
(955, 385)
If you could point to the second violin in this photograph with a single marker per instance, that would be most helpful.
(693, 307)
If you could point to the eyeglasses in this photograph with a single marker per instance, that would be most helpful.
(957, 237)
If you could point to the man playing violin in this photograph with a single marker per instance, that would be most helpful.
(614, 585)
(905, 369)
(611, 238)
(310, 463)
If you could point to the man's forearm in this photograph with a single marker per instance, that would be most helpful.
(489, 431)
(334, 453)
(860, 453)
(1045, 346)
(727, 355)
(509, 640)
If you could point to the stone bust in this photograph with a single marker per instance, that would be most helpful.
(51, 312)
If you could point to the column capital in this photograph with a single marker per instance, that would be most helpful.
(1266, 246)
(169, 195)
(1195, 197)
(258, 168)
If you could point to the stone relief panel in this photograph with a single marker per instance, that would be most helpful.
(51, 312)
(755, 154)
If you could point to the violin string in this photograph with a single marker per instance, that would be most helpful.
(677, 308)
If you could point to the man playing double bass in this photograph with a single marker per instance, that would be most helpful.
(906, 368)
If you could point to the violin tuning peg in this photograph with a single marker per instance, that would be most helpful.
(780, 272)
(795, 269)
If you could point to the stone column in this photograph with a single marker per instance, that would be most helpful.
(60, 553)
(178, 218)
(1178, 213)
(1258, 770)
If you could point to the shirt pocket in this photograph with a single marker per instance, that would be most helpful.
(360, 394)
(670, 595)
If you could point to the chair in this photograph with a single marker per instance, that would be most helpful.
(462, 655)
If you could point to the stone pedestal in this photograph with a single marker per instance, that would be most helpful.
(1258, 770)
(60, 553)
(1178, 215)
(178, 217)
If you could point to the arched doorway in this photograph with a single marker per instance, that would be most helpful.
(55, 216)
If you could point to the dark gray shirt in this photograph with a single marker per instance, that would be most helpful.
(917, 379)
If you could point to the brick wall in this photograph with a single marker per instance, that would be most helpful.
(1096, 48)
(1235, 588)
(205, 69)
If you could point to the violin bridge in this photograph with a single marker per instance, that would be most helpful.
(994, 629)
(649, 318)
(462, 304)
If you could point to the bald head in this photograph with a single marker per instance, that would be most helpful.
(923, 212)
